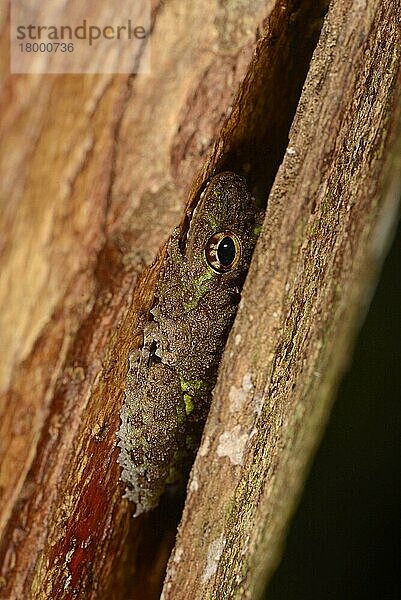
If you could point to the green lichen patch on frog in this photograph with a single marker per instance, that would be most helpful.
(213, 222)
(192, 390)
(192, 386)
(200, 288)
(189, 404)
(169, 385)
(257, 230)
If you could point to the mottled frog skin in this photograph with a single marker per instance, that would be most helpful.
(170, 380)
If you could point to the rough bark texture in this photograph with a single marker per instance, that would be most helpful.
(95, 172)
(326, 227)
(90, 189)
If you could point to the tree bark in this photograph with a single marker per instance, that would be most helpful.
(329, 218)
(95, 173)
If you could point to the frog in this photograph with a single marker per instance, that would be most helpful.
(171, 378)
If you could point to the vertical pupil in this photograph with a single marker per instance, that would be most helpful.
(226, 251)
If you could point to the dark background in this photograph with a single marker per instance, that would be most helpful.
(344, 541)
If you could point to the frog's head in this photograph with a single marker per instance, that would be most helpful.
(222, 235)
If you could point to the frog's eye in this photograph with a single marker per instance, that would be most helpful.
(223, 251)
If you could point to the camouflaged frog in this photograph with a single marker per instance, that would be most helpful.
(170, 380)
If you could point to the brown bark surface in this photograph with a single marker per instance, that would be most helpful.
(95, 173)
(326, 227)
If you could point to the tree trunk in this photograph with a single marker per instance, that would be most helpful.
(329, 216)
(95, 173)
